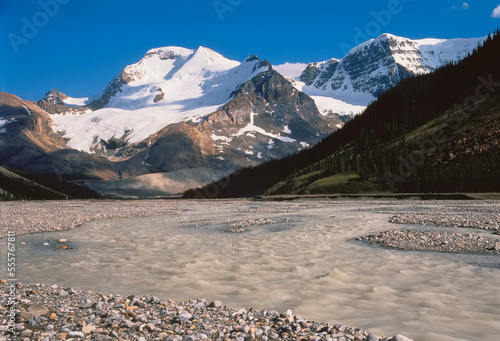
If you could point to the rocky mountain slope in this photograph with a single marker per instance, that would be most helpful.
(379, 64)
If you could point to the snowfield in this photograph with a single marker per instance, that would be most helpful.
(193, 84)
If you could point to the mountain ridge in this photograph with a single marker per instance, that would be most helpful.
(182, 109)
(390, 59)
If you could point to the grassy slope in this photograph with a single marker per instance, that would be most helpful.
(316, 183)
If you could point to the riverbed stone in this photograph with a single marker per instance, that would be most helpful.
(215, 304)
(372, 337)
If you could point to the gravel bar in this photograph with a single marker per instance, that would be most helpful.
(476, 220)
(43, 312)
(435, 241)
(24, 217)
(484, 216)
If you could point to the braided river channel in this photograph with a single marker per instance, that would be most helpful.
(298, 255)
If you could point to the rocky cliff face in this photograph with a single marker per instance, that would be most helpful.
(53, 103)
(266, 118)
(379, 64)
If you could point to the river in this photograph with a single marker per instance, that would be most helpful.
(306, 261)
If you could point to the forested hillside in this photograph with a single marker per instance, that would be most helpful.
(432, 133)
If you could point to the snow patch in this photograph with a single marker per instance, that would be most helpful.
(220, 138)
(29, 113)
(290, 69)
(328, 104)
(77, 102)
(286, 130)
(270, 144)
(252, 120)
(436, 52)
(252, 128)
(261, 131)
(3, 124)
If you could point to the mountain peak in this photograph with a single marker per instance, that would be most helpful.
(251, 58)
(168, 52)
(390, 36)
(207, 55)
(205, 49)
(54, 97)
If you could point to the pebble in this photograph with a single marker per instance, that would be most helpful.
(372, 337)
(76, 334)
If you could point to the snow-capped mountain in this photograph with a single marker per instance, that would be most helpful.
(199, 114)
(377, 65)
(168, 85)
(181, 109)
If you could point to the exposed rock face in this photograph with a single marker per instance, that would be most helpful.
(160, 96)
(319, 73)
(266, 118)
(180, 146)
(111, 89)
(362, 66)
(26, 123)
(29, 145)
(53, 103)
(370, 68)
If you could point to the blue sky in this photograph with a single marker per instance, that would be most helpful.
(78, 46)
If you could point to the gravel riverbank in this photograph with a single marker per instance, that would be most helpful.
(52, 313)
